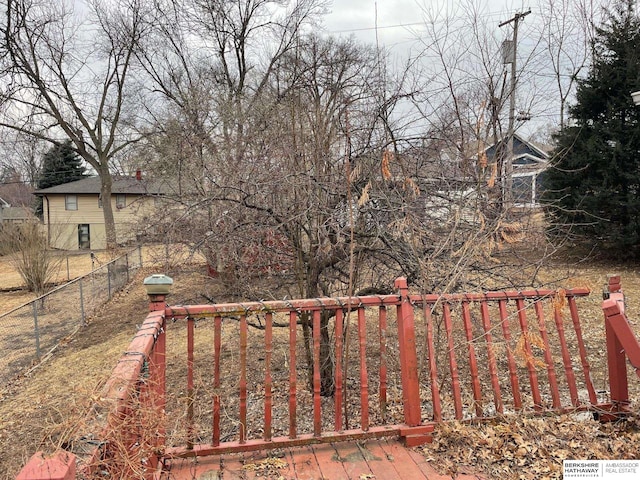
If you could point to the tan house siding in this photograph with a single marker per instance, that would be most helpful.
(63, 224)
(83, 226)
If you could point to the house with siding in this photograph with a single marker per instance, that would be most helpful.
(11, 214)
(73, 216)
(529, 161)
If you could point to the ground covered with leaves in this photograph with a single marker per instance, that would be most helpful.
(521, 447)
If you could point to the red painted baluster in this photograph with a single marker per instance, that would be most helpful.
(433, 369)
(190, 340)
(364, 380)
(382, 322)
(551, 371)
(317, 404)
(453, 364)
(473, 362)
(513, 372)
(217, 334)
(493, 366)
(583, 351)
(528, 353)
(339, 335)
(243, 380)
(293, 325)
(268, 382)
(566, 356)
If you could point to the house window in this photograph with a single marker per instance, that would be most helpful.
(121, 200)
(100, 201)
(523, 190)
(71, 202)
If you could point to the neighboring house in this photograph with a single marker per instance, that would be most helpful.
(73, 212)
(9, 214)
(529, 161)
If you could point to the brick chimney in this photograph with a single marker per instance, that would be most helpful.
(138, 175)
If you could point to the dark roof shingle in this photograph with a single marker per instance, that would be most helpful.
(91, 185)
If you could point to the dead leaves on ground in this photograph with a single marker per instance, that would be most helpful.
(530, 448)
(267, 468)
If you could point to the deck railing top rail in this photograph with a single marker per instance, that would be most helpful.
(334, 303)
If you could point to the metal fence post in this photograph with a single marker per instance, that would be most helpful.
(109, 280)
(35, 327)
(82, 316)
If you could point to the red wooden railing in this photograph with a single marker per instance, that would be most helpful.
(401, 363)
(622, 344)
(444, 329)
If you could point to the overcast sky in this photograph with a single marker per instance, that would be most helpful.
(399, 20)
(402, 22)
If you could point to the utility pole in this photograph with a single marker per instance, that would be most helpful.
(507, 164)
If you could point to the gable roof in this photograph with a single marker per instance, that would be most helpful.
(91, 185)
(521, 148)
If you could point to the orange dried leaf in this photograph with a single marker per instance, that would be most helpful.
(385, 166)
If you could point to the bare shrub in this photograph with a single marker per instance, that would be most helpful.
(26, 246)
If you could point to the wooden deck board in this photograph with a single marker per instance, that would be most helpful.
(425, 468)
(382, 459)
(305, 464)
(330, 466)
(381, 466)
(353, 461)
(404, 464)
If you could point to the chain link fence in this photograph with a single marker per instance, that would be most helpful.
(30, 332)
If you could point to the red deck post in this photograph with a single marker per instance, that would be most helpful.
(158, 287)
(621, 342)
(408, 356)
(61, 466)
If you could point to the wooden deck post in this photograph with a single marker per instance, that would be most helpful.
(61, 466)
(616, 361)
(408, 356)
(158, 287)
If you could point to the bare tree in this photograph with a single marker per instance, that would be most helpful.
(566, 31)
(69, 76)
(24, 153)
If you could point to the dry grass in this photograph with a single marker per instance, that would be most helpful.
(75, 264)
(42, 411)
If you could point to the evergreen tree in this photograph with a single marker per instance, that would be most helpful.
(60, 165)
(594, 184)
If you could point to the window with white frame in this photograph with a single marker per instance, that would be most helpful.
(524, 189)
(121, 200)
(71, 202)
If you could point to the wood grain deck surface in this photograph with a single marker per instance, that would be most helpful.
(383, 459)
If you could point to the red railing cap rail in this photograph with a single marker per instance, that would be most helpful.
(334, 303)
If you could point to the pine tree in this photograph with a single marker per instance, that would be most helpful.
(60, 165)
(594, 184)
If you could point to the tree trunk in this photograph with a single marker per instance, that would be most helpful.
(107, 209)
(327, 386)
(327, 366)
